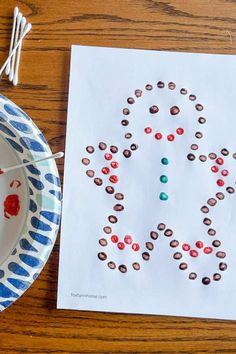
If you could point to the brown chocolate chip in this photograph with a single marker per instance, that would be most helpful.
(183, 266)
(192, 97)
(198, 135)
(122, 268)
(103, 242)
(118, 207)
(98, 181)
(174, 243)
(207, 221)
(85, 161)
(154, 235)
(220, 196)
(102, 146)
(149, 246)
(183, 91)
(102, 256)
(133, 147)
(212, 156)
(216, 277)
(192, 276)
(220, 254)
(202, 120)
(90, 173)
(205, 209)
(127, 153)
(211, 201)
(191, 157)
(202, 158)
(126, 111)
(211, 232)
(171, 85)
(90, 149)
(174, 110)
(125, 122)
(136, 266)
(148, 87)
(177, 255)
(160, 84)
(110, 189)
(138, 93)
(216, 243)
(194, 147)
(128, 136)
(199, 107)
(230, 190)
(161, 226)
(119, 196)
(113, 219)
(225, 152)
(107, 229)
(153, 109)
(130, 100)
(206, 280)
(111, 265)
(223, 266)
(168, 233)
(146, 256)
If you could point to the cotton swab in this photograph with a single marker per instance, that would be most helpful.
(16, 11)
(26, 30)
(15, 77)
(18, 21)
(53, 156)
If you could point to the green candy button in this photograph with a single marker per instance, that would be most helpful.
(164, 161)
(164, 179)
(163, 196)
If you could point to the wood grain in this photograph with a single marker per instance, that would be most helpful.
(32, 324)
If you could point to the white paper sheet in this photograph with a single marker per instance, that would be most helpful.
(101, 80)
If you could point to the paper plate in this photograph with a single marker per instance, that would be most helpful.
(30, 203)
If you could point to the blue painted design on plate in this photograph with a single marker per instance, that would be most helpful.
(3, 117)
(19, 284)
(15, 111)
(32, 168)
(41, 136)
(2, 273)
(15, 145)
(17, 269)
(52, 179)
(40, 225)
(31, 261)
(31, 144)
(36, 183)
(6, 292)
(6, 303)
(56, 194)
(32, 206)
(44, 240)
(50, 216)
(22, 127)
(6, 130)
(25, 245)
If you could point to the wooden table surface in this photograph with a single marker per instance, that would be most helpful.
(32, 324)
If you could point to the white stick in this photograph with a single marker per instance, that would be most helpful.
(53, 156)
(16, 11)
(27, 29)
(18, 21)
(15, 78)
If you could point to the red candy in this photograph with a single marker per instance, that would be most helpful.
(220, 182)
(158, 136)
(115, 164)
(179, 131)
(148, 130)
(186, 247)
(225, 172)
(114, 238)
(215, 169)
(207, 250)
(105, 170)
(121, 245)
(220, 161)
(108, 156)
(170, 137)
(135, 247)
(199, 244)
(113, 179)
(193, 253)
(128, 239)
